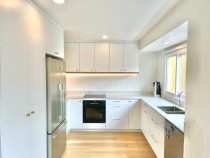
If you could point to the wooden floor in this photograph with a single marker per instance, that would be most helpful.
(107, 145)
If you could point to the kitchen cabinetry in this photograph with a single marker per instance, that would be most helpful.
(134, 114)
(153, 129)
(131, 57)
(87, 57)
(116, 57)
(76, 114)
(54, 39)
(144, 119)
(72, 57)
(101, 57)
(23, 79)
(117, 114)
(120, 115)
(14, 78)
(36, 83)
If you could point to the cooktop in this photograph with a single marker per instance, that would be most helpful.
(94, 96)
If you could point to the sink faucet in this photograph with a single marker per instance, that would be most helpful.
(179, 96)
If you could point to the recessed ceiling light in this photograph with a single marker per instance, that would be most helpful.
(59, 1)
(167, 42)
(104, 36)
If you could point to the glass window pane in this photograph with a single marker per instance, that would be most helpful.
(183, 73)
(171, 74)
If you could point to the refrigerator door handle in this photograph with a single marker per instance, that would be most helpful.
(60, 130)
(61, 102)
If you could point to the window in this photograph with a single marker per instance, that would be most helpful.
(176, 67)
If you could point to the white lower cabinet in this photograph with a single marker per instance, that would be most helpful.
(117, 123)
(120, 115)
(134, 114)
(76, 114)
(152, 125)
(123, 114)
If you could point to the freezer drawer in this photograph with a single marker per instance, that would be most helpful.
(57, 142)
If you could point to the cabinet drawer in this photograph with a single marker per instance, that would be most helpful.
(117, 123)
(116, 102)
(117, 110)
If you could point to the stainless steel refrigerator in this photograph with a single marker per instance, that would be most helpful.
(56, 100)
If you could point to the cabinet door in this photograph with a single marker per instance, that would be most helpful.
(72, 57)
(76, 114)
(14, 78)
(116, 57)
(144, 118)
(101, 57)
(134, 114)
(60, 43)
(86, 57)
(53, 39)
(36, 84)
(131, 57)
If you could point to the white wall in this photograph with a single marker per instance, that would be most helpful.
(141, 82)
(197, 129)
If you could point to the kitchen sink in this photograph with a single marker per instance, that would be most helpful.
(171, 110)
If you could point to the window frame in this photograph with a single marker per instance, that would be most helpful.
(178, 54)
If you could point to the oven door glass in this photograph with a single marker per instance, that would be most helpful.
(94, 111)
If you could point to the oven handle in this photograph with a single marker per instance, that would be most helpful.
(93, 103)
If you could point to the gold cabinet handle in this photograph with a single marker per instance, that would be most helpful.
(28, 115)
(154, 121)
(154, 139)
(57, 53)
(32, 112)
(145, 112)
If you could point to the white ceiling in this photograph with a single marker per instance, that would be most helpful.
(118, 19)
(176, 36)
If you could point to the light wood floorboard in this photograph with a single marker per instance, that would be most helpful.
(107, 145)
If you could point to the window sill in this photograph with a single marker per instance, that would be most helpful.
(174, 100)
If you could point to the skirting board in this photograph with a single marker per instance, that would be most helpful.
(105, 130)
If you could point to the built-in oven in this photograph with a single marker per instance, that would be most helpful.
(94, 111)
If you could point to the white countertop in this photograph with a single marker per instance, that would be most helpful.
(176, 119)
(108, 96)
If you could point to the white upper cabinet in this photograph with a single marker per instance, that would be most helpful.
(72, 57)
(131, 57)
(86, 57)
(101, 57)
(116, 57)
(54, 41)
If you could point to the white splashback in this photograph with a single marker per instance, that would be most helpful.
(140, 82)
